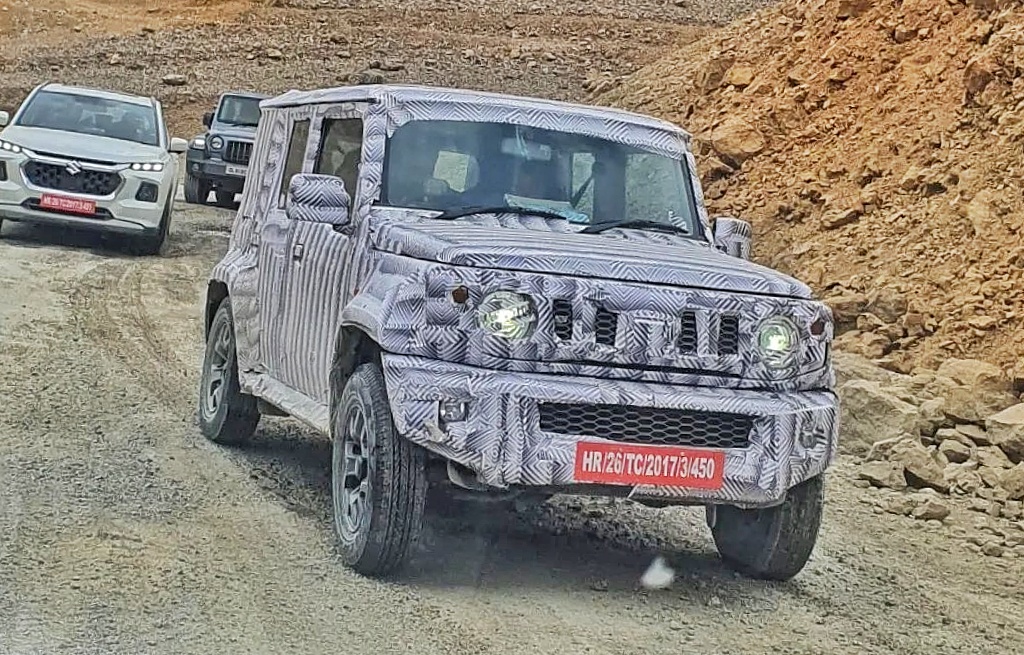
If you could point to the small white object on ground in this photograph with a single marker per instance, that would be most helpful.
(658, 575)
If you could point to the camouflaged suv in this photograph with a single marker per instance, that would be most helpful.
(515, 298)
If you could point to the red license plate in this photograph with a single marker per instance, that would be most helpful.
(69, 205)
(607, 463)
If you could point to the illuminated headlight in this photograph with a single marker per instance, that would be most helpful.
(198, 143)
(155, 167)
(507, 314)
(778, 341)
(216, 143)
(10, 147)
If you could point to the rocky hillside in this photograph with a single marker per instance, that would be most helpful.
(876, 146)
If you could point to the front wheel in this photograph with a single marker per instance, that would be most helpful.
(225, 199)
(378, 479)
(226, 415)
(153, 244)
(196, 190)
(773, 543)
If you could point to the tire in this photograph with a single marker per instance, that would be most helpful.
(773, 543)
(378, 479)
(196, 190)
(225, 199)
(154, 244)
(227, 416)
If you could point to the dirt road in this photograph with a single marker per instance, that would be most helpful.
(123, 531)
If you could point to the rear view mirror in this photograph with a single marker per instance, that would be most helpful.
(5, 118)
(208, 119)
(317, 199)
(529, 150)
(733, 236)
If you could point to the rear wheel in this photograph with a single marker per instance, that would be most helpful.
(225, 199)
(226, 415)
(196, 190)
(379, 479)
(773, 543)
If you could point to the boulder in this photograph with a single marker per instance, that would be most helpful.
(846, 308)
(1006, 430)
(974, 405)
(975, 374)
(954, 451)
(1012, 482)
(850, 366)
(920, 469)
(869, 414)
(884, 474)
(736, 140)
(992, 457)
(932, 417)
(931, 509)
(740, 76)
(975, 434)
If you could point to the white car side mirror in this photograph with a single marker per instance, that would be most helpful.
(5, 118)
(178, 146)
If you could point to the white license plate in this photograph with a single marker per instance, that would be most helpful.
(236, 170)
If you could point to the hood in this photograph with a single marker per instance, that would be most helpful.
(84, 146)
(526, 243)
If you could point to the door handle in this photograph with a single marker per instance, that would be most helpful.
(297, 251)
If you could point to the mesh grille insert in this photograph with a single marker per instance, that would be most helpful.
(87, 181)
(648, 425)
(562, 315)
(687, 342)
(605, 324)
(729, 335)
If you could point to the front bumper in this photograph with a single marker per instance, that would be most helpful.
(119, 212)
(793, 438)
(223, 175)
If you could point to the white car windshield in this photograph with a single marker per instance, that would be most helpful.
(85, 114)
(449, 165)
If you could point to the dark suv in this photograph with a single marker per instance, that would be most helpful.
(219, 159)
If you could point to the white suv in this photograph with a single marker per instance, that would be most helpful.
(87, 158)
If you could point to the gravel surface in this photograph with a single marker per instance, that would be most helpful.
(123, 531)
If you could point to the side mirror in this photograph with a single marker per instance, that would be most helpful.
(178, 146)
(208, 119)
(733, 236)
(317, 199)
(5, 118)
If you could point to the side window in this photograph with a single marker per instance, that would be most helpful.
(455, 168)
(293, 160)
(341, 145)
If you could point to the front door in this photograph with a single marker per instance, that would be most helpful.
(317, 257)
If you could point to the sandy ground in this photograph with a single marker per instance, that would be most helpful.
(123, 531)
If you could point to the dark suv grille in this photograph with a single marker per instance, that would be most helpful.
(238, 152)
(89, 182)
(648, 425)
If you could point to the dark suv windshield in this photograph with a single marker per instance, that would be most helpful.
(236, 110)
(85, 114)
(447, 165)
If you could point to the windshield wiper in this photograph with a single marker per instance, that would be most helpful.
(459, 212)
(595, 228)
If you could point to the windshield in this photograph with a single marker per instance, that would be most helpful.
(448, 165)
(85, 114)
(236, 110)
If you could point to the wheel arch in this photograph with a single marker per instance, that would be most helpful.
(353, 347)
(216, 292)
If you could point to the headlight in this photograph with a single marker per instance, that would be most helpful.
(777, 341)
(216, 143)
(198, 143)
(10, 147)
(154, 167)
(507, 314)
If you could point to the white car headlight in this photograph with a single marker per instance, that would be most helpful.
(777, 342)
(507, 314)
(216, 143)
(10, 147)
(198, 143)
(154, 167)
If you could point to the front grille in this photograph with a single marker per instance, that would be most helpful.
(89, 182)
(238, 152)
(687, 342)
(648, 425)
(605, 327)
(728, 334)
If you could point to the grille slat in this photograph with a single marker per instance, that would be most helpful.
(605, 327)
(88, 182)
(238, 152)
(648, 425)
(728, 335)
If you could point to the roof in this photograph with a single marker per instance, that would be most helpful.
(246, 94)
(411, 93)
(99, 93)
